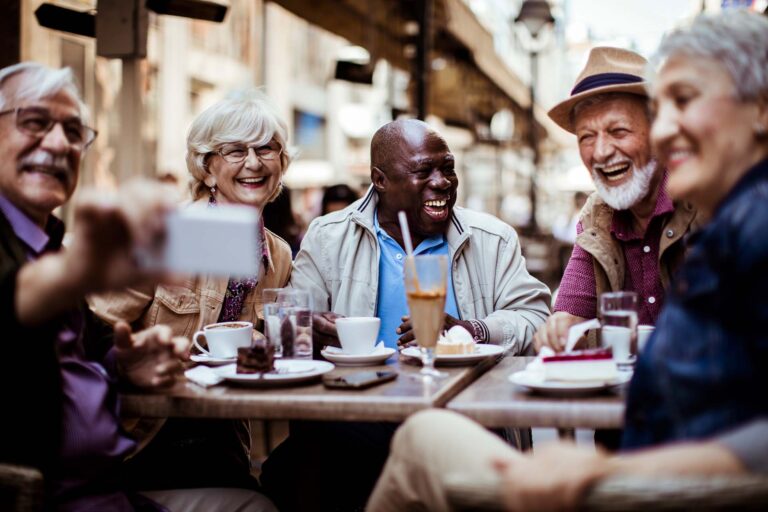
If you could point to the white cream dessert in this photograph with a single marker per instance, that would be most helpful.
(580, 366)
(457, 340)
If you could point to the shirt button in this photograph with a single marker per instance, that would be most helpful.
(646, 249)
(670, 233)
(651, 300)
(398, 256)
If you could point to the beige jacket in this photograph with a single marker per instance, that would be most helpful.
(339, 265)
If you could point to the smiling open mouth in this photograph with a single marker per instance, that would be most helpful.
(252, 182)
(614, 172)
(436, 209)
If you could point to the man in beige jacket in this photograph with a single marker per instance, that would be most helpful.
(351, 262)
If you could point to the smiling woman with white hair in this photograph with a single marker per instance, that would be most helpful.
(236, 154)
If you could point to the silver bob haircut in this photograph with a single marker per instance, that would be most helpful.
(243, 116)
(39, 82)
(736, 38)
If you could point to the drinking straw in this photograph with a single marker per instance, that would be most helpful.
(409, 260)
(406, 233)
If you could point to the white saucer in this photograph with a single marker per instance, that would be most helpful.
(211, 361)
(482, 351)
(287, 371)
(534, 381)
(341, 359)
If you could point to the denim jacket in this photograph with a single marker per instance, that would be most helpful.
(705, 369)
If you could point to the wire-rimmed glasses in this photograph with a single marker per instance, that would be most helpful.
(237, 153)
(37, 122)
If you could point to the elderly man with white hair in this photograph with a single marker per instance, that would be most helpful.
(630, 233)
(61, 365)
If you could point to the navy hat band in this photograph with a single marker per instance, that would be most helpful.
(604, 79)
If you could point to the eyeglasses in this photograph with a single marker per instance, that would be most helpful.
(237, 153)
(37, 122)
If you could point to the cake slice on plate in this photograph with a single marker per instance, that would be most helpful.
(456, 341)
(580, 366)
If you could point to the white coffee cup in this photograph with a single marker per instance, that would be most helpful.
(619, 340)
(357, 334)
(224, 338)
(643, 333)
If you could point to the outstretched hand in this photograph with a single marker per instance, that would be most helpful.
(109, 229)
(150, 358)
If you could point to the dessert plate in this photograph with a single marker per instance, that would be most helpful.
(534, 381)
(481, 352)
(287, 371)
(211, 361)
(339, 358)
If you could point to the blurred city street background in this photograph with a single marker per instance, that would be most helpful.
(339, 69)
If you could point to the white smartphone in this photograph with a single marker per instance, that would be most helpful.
(224, 241)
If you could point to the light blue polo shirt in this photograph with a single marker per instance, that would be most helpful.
(391, 303)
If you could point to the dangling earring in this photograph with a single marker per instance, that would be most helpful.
(213, 190)
(212, 197)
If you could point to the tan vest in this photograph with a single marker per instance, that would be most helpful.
(608, 255)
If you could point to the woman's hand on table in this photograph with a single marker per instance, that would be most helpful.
(150, 358)
(554, 332)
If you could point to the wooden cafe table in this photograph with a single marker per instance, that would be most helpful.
(494, 401)
(391, 401)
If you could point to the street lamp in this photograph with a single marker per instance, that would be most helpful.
(534, 16)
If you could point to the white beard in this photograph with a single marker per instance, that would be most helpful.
(626, 195)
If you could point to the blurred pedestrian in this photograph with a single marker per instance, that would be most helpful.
(337, 197)
(281, 220)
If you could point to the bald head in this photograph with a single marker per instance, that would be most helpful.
(392, 140)
(412, 170)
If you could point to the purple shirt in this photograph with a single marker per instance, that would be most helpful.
(578, 295)
(92, 445)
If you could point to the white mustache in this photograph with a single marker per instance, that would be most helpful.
(41, 158)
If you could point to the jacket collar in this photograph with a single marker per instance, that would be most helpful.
(364, 209)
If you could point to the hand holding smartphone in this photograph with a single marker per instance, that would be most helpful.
(359, 380)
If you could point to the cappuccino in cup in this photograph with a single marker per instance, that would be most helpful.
(224, 338)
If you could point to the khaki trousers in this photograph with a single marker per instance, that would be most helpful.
(430, 447)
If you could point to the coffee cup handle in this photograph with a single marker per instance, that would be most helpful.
(195, 343)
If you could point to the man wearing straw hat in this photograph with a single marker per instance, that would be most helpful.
(351, 262)
(630, 233)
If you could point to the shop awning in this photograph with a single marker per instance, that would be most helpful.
(474, 83)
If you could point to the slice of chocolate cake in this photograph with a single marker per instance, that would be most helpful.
(260, 358)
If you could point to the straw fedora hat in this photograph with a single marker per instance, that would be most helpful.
(607, 70)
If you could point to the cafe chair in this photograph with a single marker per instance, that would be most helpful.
(21, 488)
(627, 493)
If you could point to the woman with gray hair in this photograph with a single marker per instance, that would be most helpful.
(694, 405)
(236, 154)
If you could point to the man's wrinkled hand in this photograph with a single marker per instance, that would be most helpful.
(555, 478)
(324, 329)
(408, 338)
(554, 332)
(150, 358)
